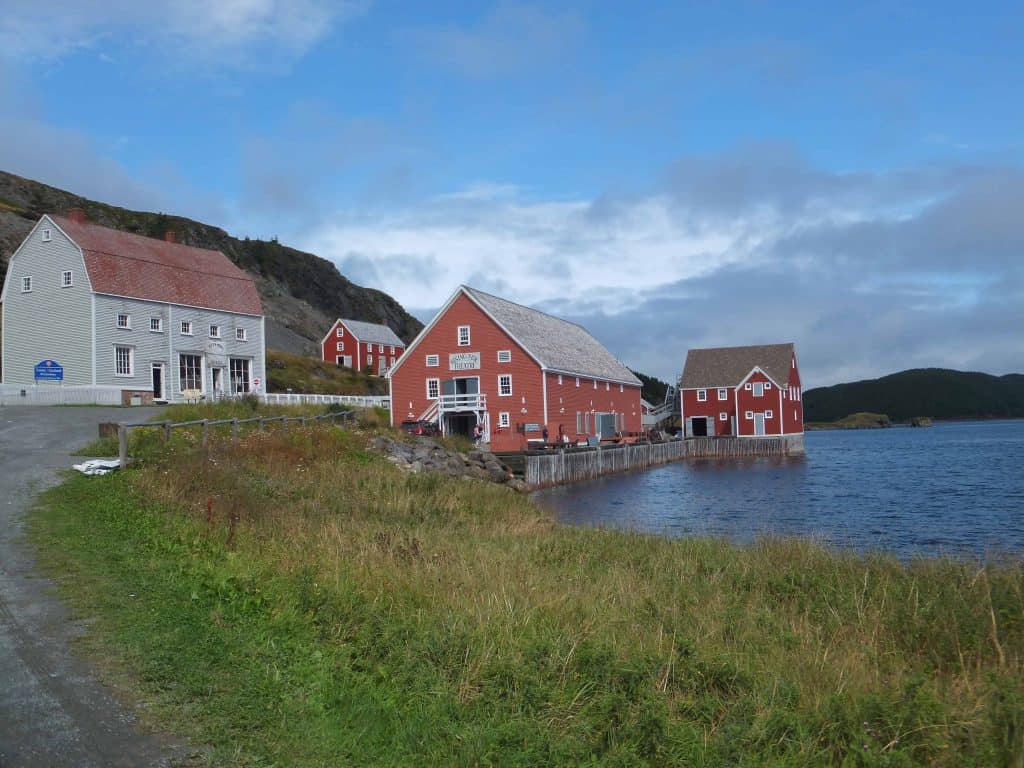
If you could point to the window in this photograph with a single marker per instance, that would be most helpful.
(391, 363)
(767, 385)
(392, 350)
(503, 419)
(369, 359)
(124, 321)
(433, 389)
(67, 279)
(241, 334)
(214, 331)
(586, 422)
(123, 361)
(26, 285)
(433, 361)
(156, 324)
(747, 386)
(758, 389)
(769, 414)
(748, 415)
(47, 235)
(577, 381)
(380, 348)
(190, 371)
(340, 333)
(723, 416)
(186, 330)
(341, 346)
(504, 355)
(559, 379)
(239, 376)
(607, 386)
(723, 393)
(505, 384)
(463, 335)
(622, 389)
(579, 421)
(702, 395)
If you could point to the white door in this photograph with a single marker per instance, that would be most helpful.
(759, 424)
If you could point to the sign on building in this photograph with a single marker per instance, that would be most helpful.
(464, 361)
(48, 370)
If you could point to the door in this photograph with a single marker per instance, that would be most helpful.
(218, 380)
(759, 424)
(605, 424)
(699, 426)
(158, 381)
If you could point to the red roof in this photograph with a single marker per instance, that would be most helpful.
(138, 267)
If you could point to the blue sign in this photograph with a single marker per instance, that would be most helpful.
(48, 370)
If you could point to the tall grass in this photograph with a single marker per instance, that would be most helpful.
(303, 602)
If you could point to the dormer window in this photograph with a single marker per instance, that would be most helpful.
(463, 335)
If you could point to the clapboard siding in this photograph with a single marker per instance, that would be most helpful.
(50, 322)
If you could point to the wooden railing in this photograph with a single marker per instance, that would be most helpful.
(236, 424)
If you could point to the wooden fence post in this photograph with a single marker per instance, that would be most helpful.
(206, 432)
(167, 431)
(234, 426)
(122, 442)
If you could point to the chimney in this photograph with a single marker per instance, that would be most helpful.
(170, 237)
(77, 215)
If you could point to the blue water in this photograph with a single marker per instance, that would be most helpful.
(952, 489)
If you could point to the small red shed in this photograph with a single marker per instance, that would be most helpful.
(742, 392)
(524, 376)
(361, 346)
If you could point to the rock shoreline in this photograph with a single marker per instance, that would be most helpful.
(426, 455)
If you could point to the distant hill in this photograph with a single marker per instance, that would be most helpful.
(302, 293)
(653, 390)
(937, 392)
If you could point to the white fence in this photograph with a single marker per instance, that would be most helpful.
(56, 394)
(295, 398)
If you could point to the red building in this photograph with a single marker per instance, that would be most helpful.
(360, 345)
(522, 375)
(742, 391)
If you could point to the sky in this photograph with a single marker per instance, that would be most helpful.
(849, 177)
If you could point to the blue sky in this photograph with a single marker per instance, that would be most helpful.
(674, 176)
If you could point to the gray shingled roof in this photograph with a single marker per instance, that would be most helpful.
(727, 366)
(372, 333)
(558, 344)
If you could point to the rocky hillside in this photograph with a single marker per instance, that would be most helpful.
(301, 292)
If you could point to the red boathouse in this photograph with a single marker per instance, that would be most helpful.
(362, 346)
(742, 392)
(523, 375)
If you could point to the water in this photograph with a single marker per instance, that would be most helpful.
(951, 489)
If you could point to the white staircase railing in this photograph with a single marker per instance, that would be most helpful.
(431, 413)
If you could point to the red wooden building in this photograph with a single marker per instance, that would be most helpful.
(742, 391)
(360, 345)
(519, 373)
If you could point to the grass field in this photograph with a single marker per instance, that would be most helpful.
(293, 599)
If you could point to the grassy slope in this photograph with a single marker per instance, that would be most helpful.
(306, 374)
(935, 392)
(293, 599)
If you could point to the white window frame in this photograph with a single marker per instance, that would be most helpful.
(47, 235)
(723, 416)
(380, 349)
(747, 386)
(559, 378)
(767, 386)
(369, 359)
(26, 284)
(156, 325)
(67, 278)
(504, 355)
(758, 389)
(577, 381)
(436, 387)
(201, 374)
(622, 389)
(464, 336)
(769, 414)
(607, 386)
(118, 348)
(504, 419)
(185, 328)
(723, 394)
(392, 350)
(246, 366)
(702, 395)
(432, 361)
(339, 333)
(241, 334)
(214, 331)
(508, 377)
(127, 324)
(340, 346)
(748, 415)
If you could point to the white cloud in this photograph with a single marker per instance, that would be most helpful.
(233, 31)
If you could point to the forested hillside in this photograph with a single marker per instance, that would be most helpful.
(937, 392)
(301, 292)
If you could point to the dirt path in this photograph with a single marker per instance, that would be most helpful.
(53, 712)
